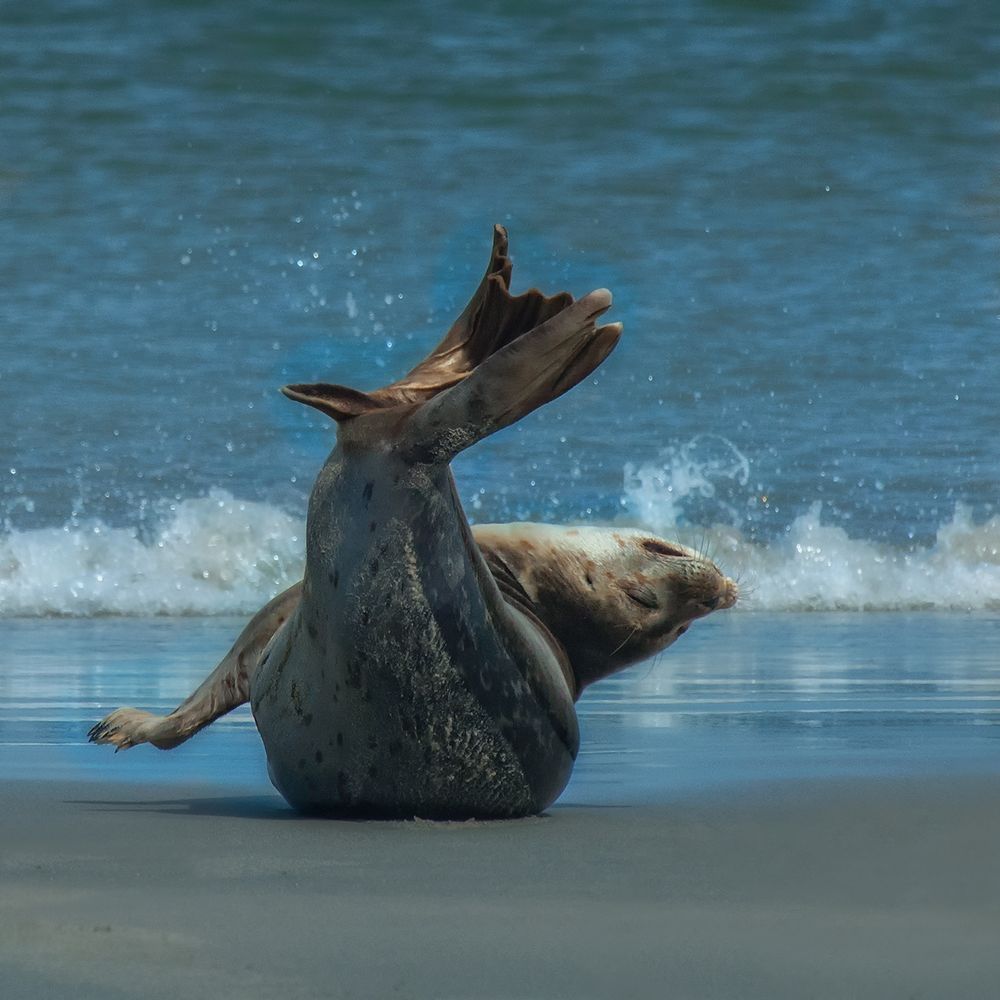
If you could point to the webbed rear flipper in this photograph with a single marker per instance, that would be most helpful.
(527, 373)
(503, 357)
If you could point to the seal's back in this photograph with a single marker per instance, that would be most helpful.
(404, 683)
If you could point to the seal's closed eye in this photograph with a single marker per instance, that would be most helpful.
(641, 593)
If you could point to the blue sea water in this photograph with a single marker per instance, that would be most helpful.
(796, 206)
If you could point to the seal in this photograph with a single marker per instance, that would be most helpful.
(422, 667)
(609, 597)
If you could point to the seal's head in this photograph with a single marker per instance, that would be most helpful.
(666, 586)
(610, 596)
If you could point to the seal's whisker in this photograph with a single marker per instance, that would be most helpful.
(705, 546)
(747, 582)
(624, 642)
(651, 665)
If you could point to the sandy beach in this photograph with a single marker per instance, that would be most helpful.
(863, 889)
(785, 806)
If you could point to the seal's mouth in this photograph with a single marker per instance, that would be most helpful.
(729, 596)
(726, 596)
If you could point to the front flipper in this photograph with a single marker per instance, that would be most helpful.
(226, 688)
(128, 727)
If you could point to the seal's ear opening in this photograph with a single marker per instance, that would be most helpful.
(336, 401)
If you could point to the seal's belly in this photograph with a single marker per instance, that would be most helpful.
(387, 722)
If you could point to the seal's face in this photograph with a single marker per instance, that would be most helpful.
(610, 596)
(666, 586)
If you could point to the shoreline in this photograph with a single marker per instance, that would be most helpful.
(742, 700)
(861, 888)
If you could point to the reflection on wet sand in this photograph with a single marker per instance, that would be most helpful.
(741, 699)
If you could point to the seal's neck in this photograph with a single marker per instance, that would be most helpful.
(559, 571)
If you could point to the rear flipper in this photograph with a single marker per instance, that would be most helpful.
(505, 356)
(526, 373)
(226, 688)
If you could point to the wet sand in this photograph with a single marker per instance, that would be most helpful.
(834, 889)
(782, 807)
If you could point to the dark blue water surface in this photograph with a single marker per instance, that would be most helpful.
(796, 206)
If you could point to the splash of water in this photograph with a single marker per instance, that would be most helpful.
(211, 555)
(220, 555)
(695, 482)
(701, 487)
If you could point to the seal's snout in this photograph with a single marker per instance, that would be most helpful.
(728, 595)
(725, 595)
(709, 591)
(692, 583)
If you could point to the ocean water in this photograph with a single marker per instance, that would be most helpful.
(796, 206)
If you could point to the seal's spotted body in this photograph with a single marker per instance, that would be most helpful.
(423, 667)
(419, 705)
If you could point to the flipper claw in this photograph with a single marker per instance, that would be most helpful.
(123, 728)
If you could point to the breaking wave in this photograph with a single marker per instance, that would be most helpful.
(221, 555)
(811, 566)
(211, 555)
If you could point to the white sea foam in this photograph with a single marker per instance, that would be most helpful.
(812, 566)
(211, 555)
(819, 567)
(220, 555)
